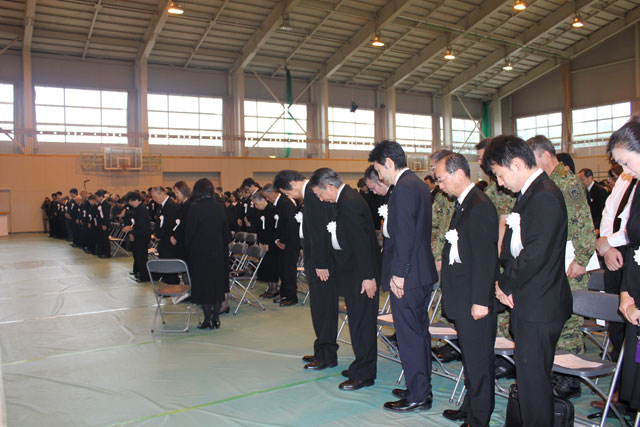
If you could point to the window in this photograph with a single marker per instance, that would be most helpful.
(81, 116)
(271, 126)
(594, 126)
(549, 125)
(6, 112)
(414, 132)
(351, 131)
(464, 135)
(184, 120)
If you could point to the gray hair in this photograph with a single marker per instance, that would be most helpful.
(541, 143)
(323, 177)
(456, 161)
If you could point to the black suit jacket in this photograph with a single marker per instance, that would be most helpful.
(358, 258)
(472, 281)
(167, 215)
(287, 226)
(596, 197)
(407, 253)
(104, 213)
(537, 278)
(316, 240)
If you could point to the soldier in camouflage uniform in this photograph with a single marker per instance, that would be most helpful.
(583, 237)
(503, 200)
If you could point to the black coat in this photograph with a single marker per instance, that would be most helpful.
(472, 280)
(596, 197)
(537, 278)
(207, 239)
(179, 230)
(316, 216)
(165, 223)
(267, 235)
(286, 224)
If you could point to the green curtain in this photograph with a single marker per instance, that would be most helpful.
(288, 102)
(486, 120)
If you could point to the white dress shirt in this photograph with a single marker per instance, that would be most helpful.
(464, 194)
(530, 180)
(619, 238)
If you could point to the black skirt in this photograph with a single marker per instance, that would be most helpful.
(630, 376)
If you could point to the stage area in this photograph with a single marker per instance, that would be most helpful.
(77, 351)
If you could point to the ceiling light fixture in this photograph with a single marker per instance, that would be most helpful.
(507, 65)
(287, 23)
(577, 22)
(520, 6)
(377, 42)
(175, 8)
(449, 56)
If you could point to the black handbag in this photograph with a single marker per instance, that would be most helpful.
(563, 412)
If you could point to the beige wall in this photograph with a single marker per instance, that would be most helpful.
(32, 177)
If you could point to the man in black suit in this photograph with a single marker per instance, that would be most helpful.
(103, 217)
(251, 217)
(317, 266)
(167, 212)
(533, 284)
(140, 234)
(355, 253)
(469, 272)
(287, 245)
(408, 271)
(596, 195)
(433, 186)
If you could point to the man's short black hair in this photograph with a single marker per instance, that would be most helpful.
(323, 177)
(73, 191)
(388, 149)
(430, 179)
(132, 195)
(567, 160)
(483, 144)
(101, 193)
(361, 183)
(372, 174)
(248, 182)
(284, 178)
(503, 149)
(455, 161)
(588, 173)
(59, 193)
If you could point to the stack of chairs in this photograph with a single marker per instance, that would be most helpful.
(117, 240)
(244, 273)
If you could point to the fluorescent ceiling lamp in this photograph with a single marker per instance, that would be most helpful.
(175, 8)
(377, 42)
(520, 5)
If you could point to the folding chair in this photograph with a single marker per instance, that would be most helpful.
(251, 239)
(152, 252)
(117, 239)
(342, 313)
(237, 255)
(240, 237)
(248, 273)
(161, 290)
(596, 305)
(301, 278)
(595, 329)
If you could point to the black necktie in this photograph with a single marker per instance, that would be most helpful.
(457, 211)
(519, 196)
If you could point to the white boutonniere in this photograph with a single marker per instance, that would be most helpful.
(177, 224)
(331, 228)
(636, 256)
(513, 221)
(276, 217)
(263, 222)
(161, 220)
(452, 238)
(299, 218)
(383, 211)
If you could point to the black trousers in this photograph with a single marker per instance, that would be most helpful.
(535, 348)
(411, 322)
(288, 272)
(477, 339)
(630, 377)
(612, 281)
(363, 313)
(103, 246)
(323, 300)
(140, 253)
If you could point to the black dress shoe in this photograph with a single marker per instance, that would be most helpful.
(345, 373)
(400, 393)
(351, 385)
(317, 365)
(268, 295)
(567, 387)
(225, 311)
(504, 369)
(288, 302)
(277, 300)
(403, 405)
(205, 325)
(454, 415)
(309, 358)
(215, 324)
(131, 273)
(448, 354)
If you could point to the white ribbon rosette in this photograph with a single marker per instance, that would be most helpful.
(513, 221)
(177, 224)
(276, 217)
(100, 210)
(263, 222)
(383, 211)
(161, 220)
(452, 238)
(299, 218)
(636, 256)
(331, 228)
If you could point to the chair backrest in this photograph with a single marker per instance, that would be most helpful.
(251, 238)
(596, 281)
(239, 249)
(255, 253)
(597, 305)
(167, 266)
(240, 236)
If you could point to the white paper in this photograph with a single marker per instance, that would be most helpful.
(442, 330)
(571, 361)
(502, 342)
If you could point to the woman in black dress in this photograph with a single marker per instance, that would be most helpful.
(268, 272)
(177, 238)
(207, 240)
(624, 145)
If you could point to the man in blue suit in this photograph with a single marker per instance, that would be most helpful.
(408, 271)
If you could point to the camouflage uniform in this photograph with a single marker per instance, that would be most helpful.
(582, 234)
(503, 200)
(442, 211)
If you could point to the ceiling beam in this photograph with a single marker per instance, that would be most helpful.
(528, 37)
(154, 29)
(579, 48)
(96, 10)
(29, 19)
(387, 14)
(260, 37)
(434, 48)
(212, 23)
